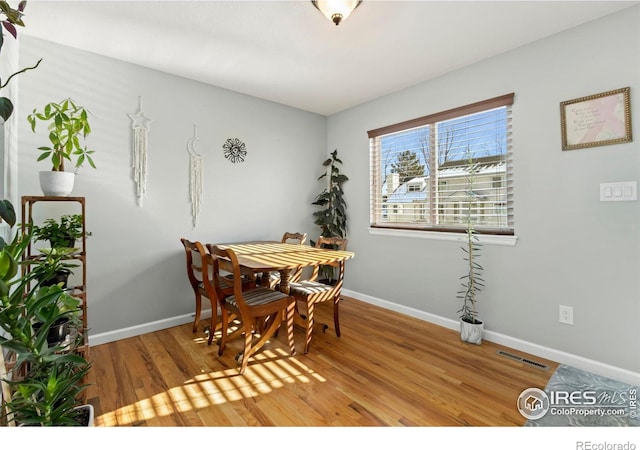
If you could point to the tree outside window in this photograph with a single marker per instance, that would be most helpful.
(429, 157)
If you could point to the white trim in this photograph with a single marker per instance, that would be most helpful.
(606, 370)
(149, 327)
(444, 236)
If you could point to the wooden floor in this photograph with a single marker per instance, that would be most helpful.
(387, 369)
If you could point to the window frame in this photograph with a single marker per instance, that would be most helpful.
(488, 234)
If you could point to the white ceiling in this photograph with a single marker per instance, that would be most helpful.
(288, 52)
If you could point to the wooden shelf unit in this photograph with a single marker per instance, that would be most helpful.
(80, 290)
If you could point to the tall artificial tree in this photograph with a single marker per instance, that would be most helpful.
(332, 217)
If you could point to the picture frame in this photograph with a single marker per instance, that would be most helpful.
(595, 120)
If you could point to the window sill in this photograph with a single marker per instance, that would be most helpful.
(444, 236)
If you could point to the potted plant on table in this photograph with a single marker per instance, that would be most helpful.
(471, 328)
(68, 125)
(332, 216)
(43, 382)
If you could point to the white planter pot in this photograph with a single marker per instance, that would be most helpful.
(90, 416)
(471, 333)
(91, 412)
(56, 184)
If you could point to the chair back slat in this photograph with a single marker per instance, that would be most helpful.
(194, 264)
(291, 238)
(332, 243)
(218, 255)
(294, 238)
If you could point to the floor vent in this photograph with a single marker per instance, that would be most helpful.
(530, 362)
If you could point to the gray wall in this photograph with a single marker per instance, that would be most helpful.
(572, 249)
(136, 272)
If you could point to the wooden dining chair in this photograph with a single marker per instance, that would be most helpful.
(261, 310)
(310, 292)
(273, 279)
(199, 271)
(294, 238)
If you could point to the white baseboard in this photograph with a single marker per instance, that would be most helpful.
(605, 370)
(559, 356)
(149, 327)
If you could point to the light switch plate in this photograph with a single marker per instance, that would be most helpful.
(624, 191)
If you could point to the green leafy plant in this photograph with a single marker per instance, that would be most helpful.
(472, 282)
(50, 398)
(53, 267)
(45, 380)
(332, 216)
(60, 233)
(12, 17)
(67, 123)
(8, 214)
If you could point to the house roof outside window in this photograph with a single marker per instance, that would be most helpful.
(488, 165)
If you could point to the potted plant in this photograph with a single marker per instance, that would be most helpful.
(471, 328)
(9, 18)
(44, 383)
(68, 126)
(50, 398)
(332, 216)
(53, 267)
(61, 233)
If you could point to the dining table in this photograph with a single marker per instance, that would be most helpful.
(266, 256)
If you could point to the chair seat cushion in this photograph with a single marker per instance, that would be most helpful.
(258, 296)
(308, 288)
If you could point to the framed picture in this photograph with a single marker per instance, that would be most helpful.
(600, 119)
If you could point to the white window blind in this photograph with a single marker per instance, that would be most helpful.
(432, 172)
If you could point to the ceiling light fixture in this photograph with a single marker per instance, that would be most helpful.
(336, 10)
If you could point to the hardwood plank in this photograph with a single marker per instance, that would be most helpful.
(387, 369)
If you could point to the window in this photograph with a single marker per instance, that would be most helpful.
(425, 166)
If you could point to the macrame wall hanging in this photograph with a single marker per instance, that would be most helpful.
(140, 125)
(195, 176)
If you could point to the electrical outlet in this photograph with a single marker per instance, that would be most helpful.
(566, 314)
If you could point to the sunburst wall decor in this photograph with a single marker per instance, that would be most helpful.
(234, 150)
